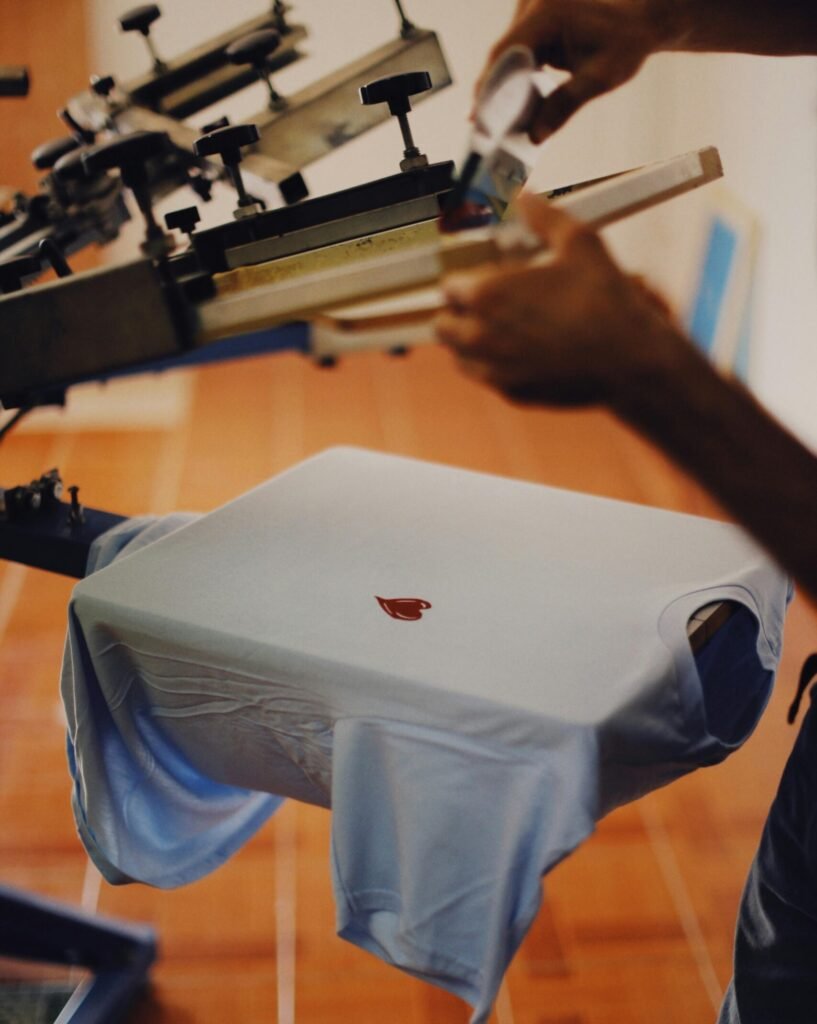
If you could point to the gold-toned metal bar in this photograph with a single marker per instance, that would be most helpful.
(405, 259)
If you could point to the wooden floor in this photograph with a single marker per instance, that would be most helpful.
(636, 926)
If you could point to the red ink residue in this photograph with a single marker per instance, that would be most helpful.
(409, 609)
(466, 215)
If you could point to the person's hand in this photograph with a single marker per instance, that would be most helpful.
(602, 43)
(567, 329)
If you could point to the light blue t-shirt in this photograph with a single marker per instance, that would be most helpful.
(470, 671)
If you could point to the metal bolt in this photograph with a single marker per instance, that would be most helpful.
(76, 515)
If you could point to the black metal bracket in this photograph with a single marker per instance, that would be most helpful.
(40, 530)
(88, 325)
(118, 954)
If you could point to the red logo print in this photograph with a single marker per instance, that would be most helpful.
(409, 609)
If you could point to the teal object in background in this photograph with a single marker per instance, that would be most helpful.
(713, 284)
(721, 319)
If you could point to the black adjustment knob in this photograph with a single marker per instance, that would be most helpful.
(184, 220)
(83, 135)
(129, 155)
(102, 85)
(279, 14)
(227, 143)
(396, 90)
(139, 19)
(45, 156)
(293, 189)
(254, 49)
(53, 255)
(14, 81)
(70, 167)
(220, 122)
(14, 272)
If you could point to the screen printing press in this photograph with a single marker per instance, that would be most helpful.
(326, 275)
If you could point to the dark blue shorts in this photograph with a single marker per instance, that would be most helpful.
(775, 960)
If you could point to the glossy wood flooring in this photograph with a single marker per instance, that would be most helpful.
(636, 926)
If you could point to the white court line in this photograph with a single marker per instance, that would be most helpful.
(13, 580)
(164, 494)
(503, 1007)
(662, 845)
(88, 901)
(91, 885)
(285, 911)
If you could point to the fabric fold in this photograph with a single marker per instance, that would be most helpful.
(143, 811)
(441, 885)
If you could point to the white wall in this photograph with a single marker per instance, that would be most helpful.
(760, 112)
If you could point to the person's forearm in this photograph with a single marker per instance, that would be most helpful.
(774, 27)
(714, 428)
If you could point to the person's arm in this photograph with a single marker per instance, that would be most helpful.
(714, 428)
(781, 28)
(603, 43)
(573, 329)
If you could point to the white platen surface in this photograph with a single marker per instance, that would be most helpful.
(468, 670)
